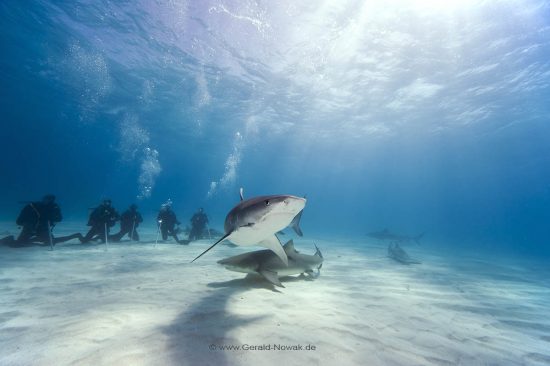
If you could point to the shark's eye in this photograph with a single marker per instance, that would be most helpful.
(266, 202)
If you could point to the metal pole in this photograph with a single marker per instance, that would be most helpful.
(133, 227)
(50, 235)
(106, 238)
(209, 234)
(158, 232)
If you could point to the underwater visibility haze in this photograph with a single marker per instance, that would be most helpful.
(412, 116)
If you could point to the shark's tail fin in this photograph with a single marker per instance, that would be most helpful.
(317, 251)
(295, 224)
(418, 237)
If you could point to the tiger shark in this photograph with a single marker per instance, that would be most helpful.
(270, 266)
(255, 221)
(397, 253)
(387, 235)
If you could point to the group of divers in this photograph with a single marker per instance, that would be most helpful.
(254, 221)
(37, 220)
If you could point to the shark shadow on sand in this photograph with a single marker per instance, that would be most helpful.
(196, 335)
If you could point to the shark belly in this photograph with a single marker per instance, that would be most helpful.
(246, 236)
(240, 269)
(254, 234)
(281, 272)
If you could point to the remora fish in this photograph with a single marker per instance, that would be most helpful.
(256, 220)
(270, 266)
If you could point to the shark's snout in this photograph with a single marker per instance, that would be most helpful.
(293, 203)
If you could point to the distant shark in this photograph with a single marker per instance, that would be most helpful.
(387, 235)
(396, 253)
(256, 220)
(270, 266)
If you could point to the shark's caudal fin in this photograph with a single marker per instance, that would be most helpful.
(318, 252)
(272, 277)
(213, 245)
(295, 224)
(274, 244)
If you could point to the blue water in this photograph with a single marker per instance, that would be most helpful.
(400, 115)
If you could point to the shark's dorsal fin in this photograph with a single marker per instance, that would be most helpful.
(274, 244)
(289, 247)
(241, 193)
(271, 276)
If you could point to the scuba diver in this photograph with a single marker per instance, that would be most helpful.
(167, 222)
(129, 222)
(198, 224)
(37, 220)
(101, 219)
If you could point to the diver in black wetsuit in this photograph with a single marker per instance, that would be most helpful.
(167, 222)
(37, 220)
(102, 218)
(198, 224)
(129, 222)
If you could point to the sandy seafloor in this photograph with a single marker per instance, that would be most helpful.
(137, 304)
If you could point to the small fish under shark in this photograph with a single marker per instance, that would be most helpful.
(271, 267)
(255, 221)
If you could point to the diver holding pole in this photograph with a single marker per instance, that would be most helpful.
(129, 223)
(102, 217)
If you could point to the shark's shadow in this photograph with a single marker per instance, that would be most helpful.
(196, 335)
(253, 281)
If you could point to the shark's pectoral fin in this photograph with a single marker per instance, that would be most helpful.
(272, 277)
(274, 244)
